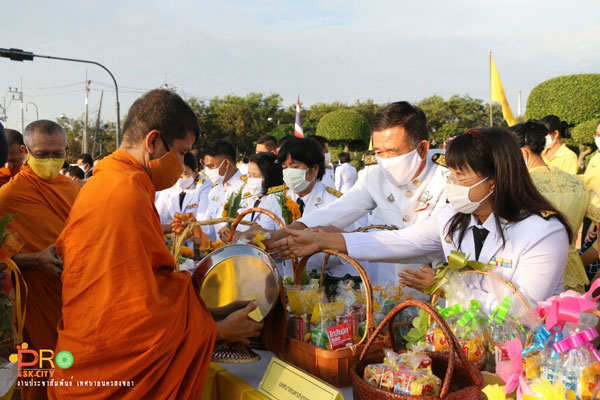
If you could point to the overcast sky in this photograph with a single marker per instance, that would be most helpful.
(323, 50)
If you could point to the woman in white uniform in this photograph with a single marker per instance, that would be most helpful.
(495, 215)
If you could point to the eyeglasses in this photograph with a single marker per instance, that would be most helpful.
(453, 179)
(46, 157)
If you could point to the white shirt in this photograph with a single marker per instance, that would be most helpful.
(195, 202)
(533, 257)
(267, 202)
(345, 177)
(328, 178)
(218, 196)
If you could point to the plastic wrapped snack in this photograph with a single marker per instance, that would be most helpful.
(374, 373)
(416, 382)
(414, 359)
(302, 299)
(387, 380)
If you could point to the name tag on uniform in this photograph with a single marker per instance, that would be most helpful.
(500, 262)
(195, 205)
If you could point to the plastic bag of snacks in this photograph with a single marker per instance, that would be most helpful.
(470, 332)
(414, 359)
(301, 301)
(324, 316)
(501, 327)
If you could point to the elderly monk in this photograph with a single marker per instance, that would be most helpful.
(127, 315)
(40, 200)
(16, 155)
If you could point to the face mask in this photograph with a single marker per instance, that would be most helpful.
(401, 169)
(458, 196)
(327, 159)
(83, 168)
(45, 168)
(597, 141)
(213, 174)
(295, 179)
(255, 186)
(184, 183)
(165, 171)
(549, 141)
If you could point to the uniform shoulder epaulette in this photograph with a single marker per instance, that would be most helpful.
(244, 178)
(276, 189)
(246, 195)
(199, 181)
(214, 184)
(370, 160)
(547, 214)
(439, 159)
(334, 192)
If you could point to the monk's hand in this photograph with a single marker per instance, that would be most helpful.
(237, 327)
(418, 279)
(48, 259)
(298, 243)
(3, 267)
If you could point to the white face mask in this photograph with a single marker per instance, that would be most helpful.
(401, 169)
(213, 174)
(327, 159)
(184, 183)
(255, 186)
(597, 141)
(458, 196)
(549, 141)
(295, 179)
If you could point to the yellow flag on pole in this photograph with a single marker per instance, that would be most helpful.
(497, 94)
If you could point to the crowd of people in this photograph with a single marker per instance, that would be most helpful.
(102, 282)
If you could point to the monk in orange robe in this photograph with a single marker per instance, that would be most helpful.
(40, 200)
(127, 315)
(16, 155)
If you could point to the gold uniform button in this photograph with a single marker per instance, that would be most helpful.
(391, 198)
(448, 239)
(409, 194)
(406, 218)
(416, 182)
(318, 199)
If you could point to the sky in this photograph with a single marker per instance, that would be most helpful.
(322, 50)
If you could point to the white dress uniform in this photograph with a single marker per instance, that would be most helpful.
(328, 179)
(318, 198)
(218, 196)
(533, 257)
(345, 177)
(388, 204)
(195, 202)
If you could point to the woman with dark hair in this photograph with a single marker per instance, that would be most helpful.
(495, 215)
(263, 174)
(565, 191)
(556, 153)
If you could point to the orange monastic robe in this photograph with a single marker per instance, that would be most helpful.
(127, 315)
(40, 209)
(6, 174)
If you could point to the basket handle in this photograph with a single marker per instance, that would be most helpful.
(455, 349)
(370, 321)
(268, 213)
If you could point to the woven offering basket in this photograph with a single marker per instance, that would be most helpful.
(461, 380)
(333, 366)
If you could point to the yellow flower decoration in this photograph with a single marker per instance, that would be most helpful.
(494, 392)
(293, 207)
(187, 252)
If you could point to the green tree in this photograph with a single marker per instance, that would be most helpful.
(104, 137)
(346, 127)
(572, 98)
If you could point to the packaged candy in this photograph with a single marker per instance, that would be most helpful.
(589, 385)
(470, 335)
(414, 359)
(501, 328)
(416, 382)
(434, 338)
(572, 373)
(374, 373)
(302, 299)
(387, 380)
(299, 327)
(339, 336)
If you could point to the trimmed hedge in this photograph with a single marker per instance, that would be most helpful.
(583, 133)
(573, 98)
(345, 126)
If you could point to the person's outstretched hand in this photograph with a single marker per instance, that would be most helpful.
(298, 243)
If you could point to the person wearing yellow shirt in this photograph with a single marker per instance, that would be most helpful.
(556, 153)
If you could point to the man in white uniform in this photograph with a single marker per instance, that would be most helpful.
(402, 183)
(345, 174)
(328, 178)
(219, 160)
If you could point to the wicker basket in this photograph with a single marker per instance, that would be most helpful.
(333, 366)
(461, 380)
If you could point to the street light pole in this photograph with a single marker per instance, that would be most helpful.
(20, 55)
(37, 115)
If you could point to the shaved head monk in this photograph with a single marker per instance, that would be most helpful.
(127, 315)
(16, 155)
(40, 200)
